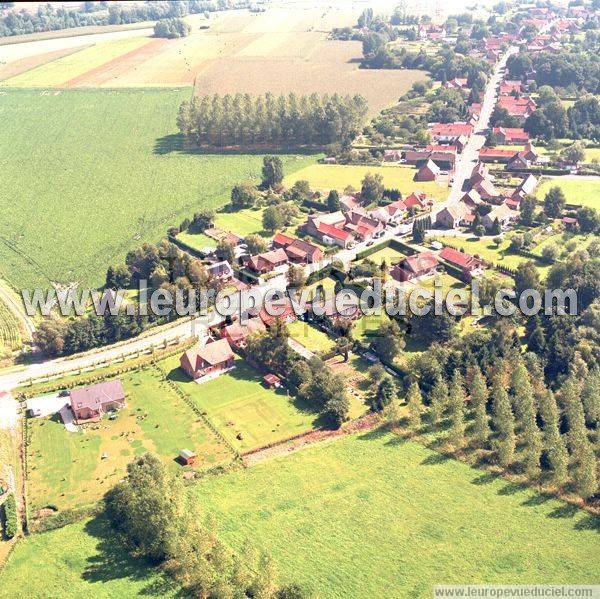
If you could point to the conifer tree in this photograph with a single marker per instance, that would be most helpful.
(438, 400)
(479, 397)
(504, 425)
(554, 445)
(415, 406)
(456, 403)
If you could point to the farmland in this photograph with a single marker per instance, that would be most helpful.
(580, 191)
(247, 413)
(378, 504)
(56, 161)
(66, 468)
(10, 330)
(334, 176)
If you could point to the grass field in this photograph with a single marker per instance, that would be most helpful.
(66, 469)
(238, 404)
(578, 190)
(198, 241)
(330, 176)
(10, 330)
(402, 517)
(97, 173)
(243, 222)
(59, 72)
(309, 336)
(389, 254)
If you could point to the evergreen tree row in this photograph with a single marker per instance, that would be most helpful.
(271, 121)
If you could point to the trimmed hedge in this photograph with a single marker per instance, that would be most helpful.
(10, 517)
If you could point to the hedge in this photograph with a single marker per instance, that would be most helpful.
(10, 517)
(64, 518)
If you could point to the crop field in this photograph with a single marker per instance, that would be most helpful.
(247, 413)
(66, 468)
(581, 191)
(71, 207)
(10, 330)
(377, 504)
(336, 176)
(311, 337)
(60, 72)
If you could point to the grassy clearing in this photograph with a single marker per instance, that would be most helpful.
(66, 469)
(578, 190)
(311, 337)
(239, 405)
(60, 71)
(102, 203)
(329, 176)
(390, 509)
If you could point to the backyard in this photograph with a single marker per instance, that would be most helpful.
(580, 191)
(310, 336)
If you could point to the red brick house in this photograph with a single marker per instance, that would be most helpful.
(89, 403)
(220, 271)
(417, 199)
(428, 172)
(298, 250)
(424, 263)
(521, 107)
(496, 155)
(268, 261)
(212, 357)
(450, 132)
(511, 135)
(237, 333)
(468, 264)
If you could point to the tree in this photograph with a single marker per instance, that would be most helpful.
(526, 277)
(335, 411)
(438, 401)
(225, 251)
(389, 341)
(550, 252)
(172, 28)
(414, 401)
(479, 397)
(118, 277)
(504, 425)
(553, 444)
(386, 393)
(528, 206)
(296, 277)
(554, 202)
(243, 195)
(272, 218)
(574, 153)
(333, 201)
(496, 227)
(343, 346)
(456, 405)
(272, 171)
(299, 374)
(372, 188)
(588, 219)
(49, 337)
(256, 244)
(300, 191)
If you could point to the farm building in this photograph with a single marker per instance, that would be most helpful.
(212, 357)
(186, 457)
(428, 172)
(271, 381)
(415, 266)
(89, 403)
(469, 265)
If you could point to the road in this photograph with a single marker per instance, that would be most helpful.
(198, 326)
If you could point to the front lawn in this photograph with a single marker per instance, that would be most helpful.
(247, 413)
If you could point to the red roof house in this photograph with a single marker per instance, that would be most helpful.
(466, 262)
(428, 172)
(415, 266)
(450, 132)
(268, 261)
(511, 135)
(212, 357)
(521, 107)
(496, 155)
(89, 403)
(417, 199)
(237, 333)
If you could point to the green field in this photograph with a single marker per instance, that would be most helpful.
(389, 254)
(374, 516)
(197, 241)
(329, 176)
(239, 404)
(578, 190)
(89, 174)
(66, 469)
(10, 330)
(309, 336)
(243, 222)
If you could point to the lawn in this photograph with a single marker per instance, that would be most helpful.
(578, 190)
(197, 241)
(243, 222)
(66, 469)
(374, 515)
(97, 173)
(389, 254)
(309, 336)
(329, 176)
(59, 72)
(247, 413)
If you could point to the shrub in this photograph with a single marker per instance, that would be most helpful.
(10, 517)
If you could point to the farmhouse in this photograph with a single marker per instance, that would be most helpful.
(511, 135)
(454, 216)
(417, 199)
(328, 228)
(522, 107)
(268, 261)
(450, 132)
(298, 250)
(428, 172)
(237, 333)
(469, 265)
(362, 226)
(89, 403)
(415, 266)
(210, 358)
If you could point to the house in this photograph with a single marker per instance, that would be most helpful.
(212, 357)
(469, 265)
(472, 199)
(509, 87)
(521, 107)
(486, 190)
(392, 155)
(518, 162)
(267, 261)
(271, 381)
(232, 239)
(418, 265)
(278, 308)
(503, 213)
(428, 172)
(281, 240)
(417, 199)
(328, 309)
(569, 222)
(474, 110)
(530, 153)
(237, 333)
(479, 173)
(349, 202)
(450, 132)
(390, 213)
(331, 235)
(416, 157)
(496, 155)
(89, 403)
(220, 271)
(298, 250)
(362, 226)
(328, 228)
(454, 216)
(456, 83)
(186, 457)
(511, 136)
(526, 187)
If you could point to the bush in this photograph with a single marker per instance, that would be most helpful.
(10, 517)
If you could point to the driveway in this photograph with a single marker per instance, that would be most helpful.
(67, 417)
